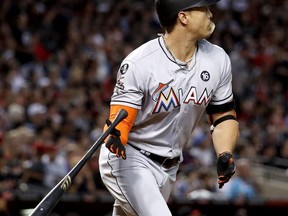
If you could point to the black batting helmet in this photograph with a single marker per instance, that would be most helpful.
(167, 10)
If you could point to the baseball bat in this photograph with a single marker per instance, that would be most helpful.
(52, 198)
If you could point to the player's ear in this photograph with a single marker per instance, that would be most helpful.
(183, 17)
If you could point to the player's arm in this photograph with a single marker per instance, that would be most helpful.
(118, 139)
(225, 132)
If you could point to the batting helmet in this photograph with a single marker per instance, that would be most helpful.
(167, 10)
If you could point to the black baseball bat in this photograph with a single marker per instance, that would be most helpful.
(48, 203)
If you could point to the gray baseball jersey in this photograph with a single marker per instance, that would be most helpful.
(171, 96)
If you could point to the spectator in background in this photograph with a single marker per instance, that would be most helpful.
(187, 181)
(33, 169)
(284, 150)
(55, 166)
(201, 150)
(84, 181)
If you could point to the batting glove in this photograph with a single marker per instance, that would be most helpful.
(114, 143)
(225, 168)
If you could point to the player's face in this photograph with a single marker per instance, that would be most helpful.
(199, 22)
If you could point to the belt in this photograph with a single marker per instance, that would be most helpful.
(163, 161)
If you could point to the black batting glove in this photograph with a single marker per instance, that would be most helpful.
(225, 168)
(114, 143)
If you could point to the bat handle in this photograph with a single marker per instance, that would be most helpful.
(122, 114)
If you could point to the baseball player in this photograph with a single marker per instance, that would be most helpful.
(166, 85)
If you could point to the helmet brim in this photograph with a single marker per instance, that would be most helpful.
(202, 3)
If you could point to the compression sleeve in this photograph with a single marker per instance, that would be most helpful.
(124, 126)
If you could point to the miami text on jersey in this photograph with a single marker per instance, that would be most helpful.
(166, 97)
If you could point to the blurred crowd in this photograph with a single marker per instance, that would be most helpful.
(58, 64)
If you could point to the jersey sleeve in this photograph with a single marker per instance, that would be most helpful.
(128, 90)
(223, 93)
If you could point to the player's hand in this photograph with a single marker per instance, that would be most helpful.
(114, 143)
(225, 168)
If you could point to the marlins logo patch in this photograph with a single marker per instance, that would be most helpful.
(124, 68)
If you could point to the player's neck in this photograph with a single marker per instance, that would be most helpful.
(179, 46)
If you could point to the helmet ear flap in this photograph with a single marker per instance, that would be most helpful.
(164, 13)
(166, 21)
